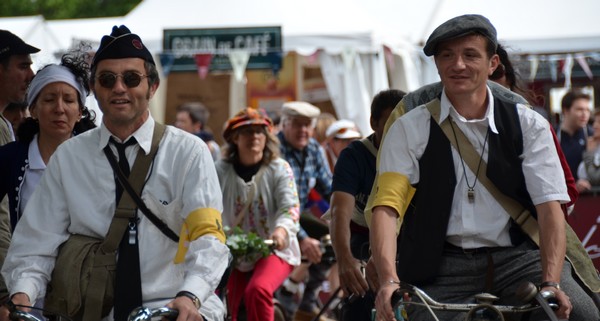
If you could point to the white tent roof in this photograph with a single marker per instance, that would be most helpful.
(528, 26)
(306, 26)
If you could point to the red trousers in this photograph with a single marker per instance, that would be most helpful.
(256, 288)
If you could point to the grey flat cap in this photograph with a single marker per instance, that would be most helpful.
(300, 108)
(458, 27)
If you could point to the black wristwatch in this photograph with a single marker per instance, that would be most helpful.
(191, 296)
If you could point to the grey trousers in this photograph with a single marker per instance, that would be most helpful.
(464, 274)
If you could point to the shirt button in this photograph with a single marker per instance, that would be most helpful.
(22, 168)
(17, 189)
(20, 178)
(26, 161)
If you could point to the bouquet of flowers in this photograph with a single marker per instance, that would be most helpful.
(246, 248)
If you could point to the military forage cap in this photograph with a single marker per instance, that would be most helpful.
(121, 43)
(458, 27)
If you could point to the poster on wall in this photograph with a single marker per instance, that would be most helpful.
(268, 90)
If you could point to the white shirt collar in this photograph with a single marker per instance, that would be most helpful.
(34, 155)
(143, 135)
(447, 109)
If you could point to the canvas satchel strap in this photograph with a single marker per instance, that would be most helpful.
(240, 217)
(369, 145)
(104, 260)
(576, 253)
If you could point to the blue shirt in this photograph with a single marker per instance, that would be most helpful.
(310, 169)
(573, 147)
(355, 172)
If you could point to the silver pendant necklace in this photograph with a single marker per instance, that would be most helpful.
(470, 188)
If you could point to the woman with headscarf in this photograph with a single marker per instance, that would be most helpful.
(56, 100)
(260, 196)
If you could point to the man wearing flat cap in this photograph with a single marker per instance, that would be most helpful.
(311, 171)
(15, 76)
(465, 164)
(172, 251)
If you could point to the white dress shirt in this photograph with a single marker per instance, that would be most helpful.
(483, 222)
(33, 173)
(77, 196)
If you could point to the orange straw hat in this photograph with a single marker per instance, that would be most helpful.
(246, 117)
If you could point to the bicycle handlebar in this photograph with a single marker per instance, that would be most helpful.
(146, 314)
(463, 307)
(22, 315)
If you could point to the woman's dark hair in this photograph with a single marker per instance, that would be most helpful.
(506, 69)
(77, 62)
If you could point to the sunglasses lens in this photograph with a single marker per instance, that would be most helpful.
(132, 79)
(107, 80)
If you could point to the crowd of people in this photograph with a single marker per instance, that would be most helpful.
(462, 188)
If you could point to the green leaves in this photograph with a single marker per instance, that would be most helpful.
(245, 245)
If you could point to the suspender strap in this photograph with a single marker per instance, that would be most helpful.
(576, 254)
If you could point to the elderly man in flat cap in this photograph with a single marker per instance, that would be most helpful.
(171, 247)
(468, 162)
(311, 171)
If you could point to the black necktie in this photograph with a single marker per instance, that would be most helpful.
(128, 283)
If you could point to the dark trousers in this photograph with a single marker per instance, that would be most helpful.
(464, 274)
(317, 273)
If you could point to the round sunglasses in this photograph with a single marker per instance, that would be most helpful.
(131, 79)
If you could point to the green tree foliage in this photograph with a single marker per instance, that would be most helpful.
(66, 9)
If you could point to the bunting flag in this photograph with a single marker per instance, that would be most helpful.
(389, 57)
(314, 57)
(567, 70)
(239, 60)
(553, 71)
(203, 64)
(348, 55)
(166, 61)
(276, 60)
(534, 64)
(584, 66)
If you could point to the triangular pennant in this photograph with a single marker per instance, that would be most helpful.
(276, 60)
(534, 64)
(389, 58)
(553, 72)
(567, 70)
(348, 55)
(313, 58)
(239, 60)
(203, 64)
(166, 61)
(584, 66)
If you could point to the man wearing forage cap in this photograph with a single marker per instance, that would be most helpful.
(457, 238)
(78, 195)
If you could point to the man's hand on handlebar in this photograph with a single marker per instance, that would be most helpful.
(17, 299)
(371, 275)
(352, 277)
(280, 237)
(311, 249)
(564, 303)
(187, 309)
(383, 301)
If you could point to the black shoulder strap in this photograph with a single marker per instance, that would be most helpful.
(159, 130)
